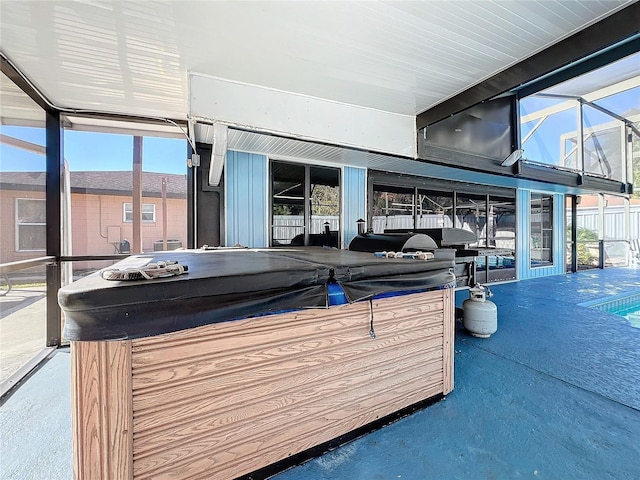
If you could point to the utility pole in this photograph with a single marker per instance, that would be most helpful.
(164, 213)
(137, 195)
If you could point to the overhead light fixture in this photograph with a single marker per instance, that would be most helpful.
(512, 158)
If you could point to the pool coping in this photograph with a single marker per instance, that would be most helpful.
(610, 299)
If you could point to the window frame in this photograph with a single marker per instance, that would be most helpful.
(541, 196)
(18, 224)
(126, 211)
(307, 196)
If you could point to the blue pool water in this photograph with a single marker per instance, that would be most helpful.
(631, 313)
(627, 306)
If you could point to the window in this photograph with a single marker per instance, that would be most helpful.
(31, 224)
(501, 235)
(588, 231)
(471, 215)
(582, 124)
(393, 208)
(434, 209)
(148, 213)
(324, 203)
(101, 185)
(541, 229)
(23, 232)
(305, 205)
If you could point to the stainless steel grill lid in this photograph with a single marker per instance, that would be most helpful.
(392, 242)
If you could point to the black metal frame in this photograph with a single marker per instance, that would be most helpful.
(207, 203)
(405, 180)
(603, 42)
(574, 233)
(7, 67)
(53, 190)
(609, 40)
(552, 249)
(531, 170)
(307, 197)
(191, 201)
(571, 179)
(457, 188)
(53, 259)
(55, 163)
(8, 387)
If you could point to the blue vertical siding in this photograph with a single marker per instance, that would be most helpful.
(523, 234)
(524, 238)
(354, 195)
(246, 199)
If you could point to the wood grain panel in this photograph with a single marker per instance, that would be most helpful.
(437, 305)
(186, 380)
(448, 339)
(250, 449)
(102, 416)
(226, 399)
(219, 413)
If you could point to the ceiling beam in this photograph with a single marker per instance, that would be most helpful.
(22, 144)
(13, 74)
(604, 34)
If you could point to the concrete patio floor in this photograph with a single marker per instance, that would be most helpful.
(553, 394)
(22, 327)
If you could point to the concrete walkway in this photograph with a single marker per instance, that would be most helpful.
(35, 425)
(22, 327)
(554, 394)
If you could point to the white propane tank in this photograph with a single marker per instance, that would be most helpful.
(480, 316)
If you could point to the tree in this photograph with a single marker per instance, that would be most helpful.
(325, 200)
(585, 240)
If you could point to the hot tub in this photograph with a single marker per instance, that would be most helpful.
(241, 363)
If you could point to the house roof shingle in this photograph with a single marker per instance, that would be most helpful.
(91, 182)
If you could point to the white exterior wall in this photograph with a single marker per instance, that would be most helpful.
(293, 115)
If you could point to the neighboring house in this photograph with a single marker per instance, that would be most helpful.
(101, 212)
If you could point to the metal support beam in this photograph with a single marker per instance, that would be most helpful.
(12, 72)
(547, 174)
(601, 229)
(307, 203)
(616, 28)
(54, 314)
(515, 124)
(54, 162)
(53, 192)
(574, 233)
(191, 201)
(600, 254)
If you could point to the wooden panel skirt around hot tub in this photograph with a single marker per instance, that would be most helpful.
(226, 399)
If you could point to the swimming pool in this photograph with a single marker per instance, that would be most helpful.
(627, 306)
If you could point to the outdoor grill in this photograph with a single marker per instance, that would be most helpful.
(443, 242)
(393, 242)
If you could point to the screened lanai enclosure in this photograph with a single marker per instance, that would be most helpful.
(257, 134)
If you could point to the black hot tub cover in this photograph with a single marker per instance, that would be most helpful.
(223, 285)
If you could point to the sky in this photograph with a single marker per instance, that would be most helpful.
(95, 151)
(545, 145)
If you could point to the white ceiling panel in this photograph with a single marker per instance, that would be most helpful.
(16, 108)
(133, 57)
